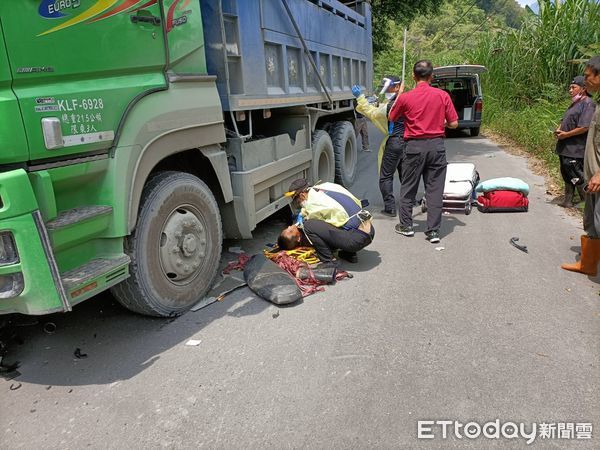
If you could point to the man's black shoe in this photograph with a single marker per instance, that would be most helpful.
(389, 212)
(433, 236)
(405, 231)
(348, 256)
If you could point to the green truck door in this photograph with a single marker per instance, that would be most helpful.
(77, 65)
(13, 145)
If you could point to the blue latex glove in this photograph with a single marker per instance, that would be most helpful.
(356, 90)
(299, 220)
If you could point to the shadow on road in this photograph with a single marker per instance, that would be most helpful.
(118, 343)
(449, 223)
(367, 260)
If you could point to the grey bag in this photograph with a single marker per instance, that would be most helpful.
(269, 281)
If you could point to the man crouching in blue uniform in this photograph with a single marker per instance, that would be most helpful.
(328, 218)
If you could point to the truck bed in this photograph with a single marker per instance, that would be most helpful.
(260, 62)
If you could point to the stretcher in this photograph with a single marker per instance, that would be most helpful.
(459, 188)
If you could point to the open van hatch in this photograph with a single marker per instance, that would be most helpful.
(463, 85)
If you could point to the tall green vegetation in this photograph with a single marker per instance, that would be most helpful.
(444, 35)
(388, 12)
(535, 61)
(530, 69)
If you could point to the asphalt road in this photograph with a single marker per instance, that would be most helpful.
(478, 331)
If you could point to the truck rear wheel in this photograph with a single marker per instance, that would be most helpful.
(343, 137)
(323, 164)
(175, 248)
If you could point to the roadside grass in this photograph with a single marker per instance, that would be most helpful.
(529, 127)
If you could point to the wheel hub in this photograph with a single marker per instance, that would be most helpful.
(182, 245)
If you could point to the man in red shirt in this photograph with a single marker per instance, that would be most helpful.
(427, 111)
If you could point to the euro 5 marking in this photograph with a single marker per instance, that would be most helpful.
(54, 9)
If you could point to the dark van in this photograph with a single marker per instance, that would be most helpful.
(464, 86)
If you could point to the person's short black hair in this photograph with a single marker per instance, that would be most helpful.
(285, 241)
(423, 69)
(594, 65)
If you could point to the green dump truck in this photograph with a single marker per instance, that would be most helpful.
(136, 134)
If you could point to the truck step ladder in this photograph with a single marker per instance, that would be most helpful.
(98, 274)
(77, 215)
(78, 225)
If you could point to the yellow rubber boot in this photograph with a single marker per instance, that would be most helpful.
(590, 256)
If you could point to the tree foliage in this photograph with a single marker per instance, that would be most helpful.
(443, 36)
(509, 10)
(401, 12)
(536, 61)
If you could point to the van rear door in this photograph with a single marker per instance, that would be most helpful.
(463, 70)
(470, 109)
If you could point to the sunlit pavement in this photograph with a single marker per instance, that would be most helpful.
(476, 331)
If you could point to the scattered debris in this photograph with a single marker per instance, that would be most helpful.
(203, 303)
(15, 386)
(48, 388)
(49, 328)
(236, 250)
(26, 323)
(206, 301)
(541, 354)
(69, 391)
(241, 262)
(490, 155)
(275, 315)
(193, 342)
(439, 249)
(568, 289)
(78, 354)
(513, 241)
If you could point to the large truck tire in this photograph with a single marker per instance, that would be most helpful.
(323, 163)
(343, 137)
(175, 248)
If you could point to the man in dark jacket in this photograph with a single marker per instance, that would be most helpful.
(572, 135)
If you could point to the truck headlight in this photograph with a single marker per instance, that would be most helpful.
(11, 285)
(8, 249)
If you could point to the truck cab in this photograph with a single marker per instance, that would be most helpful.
(136, 134)
(463, 83)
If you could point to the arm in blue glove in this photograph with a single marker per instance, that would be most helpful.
(299, 220)
(356, 90)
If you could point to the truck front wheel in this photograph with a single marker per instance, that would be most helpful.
(343, 137)
(175, 248)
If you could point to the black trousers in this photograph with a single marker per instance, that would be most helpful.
(391, 162)
(571, 168)
(423, 158)
(326, 238)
